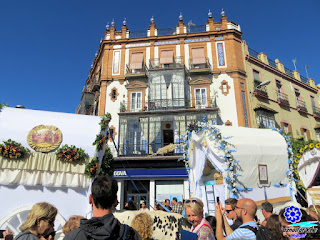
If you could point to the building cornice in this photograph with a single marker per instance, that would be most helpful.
(257, 62)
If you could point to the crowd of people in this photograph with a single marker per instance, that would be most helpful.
(235, 219)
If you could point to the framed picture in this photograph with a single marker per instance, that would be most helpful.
(263, 173)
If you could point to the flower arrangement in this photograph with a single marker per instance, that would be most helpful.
(71, 154)
(99, 142)
(106, 168)
(92, 168)
(12, 149)
(105, 119)
(193, 127)
(226, 148)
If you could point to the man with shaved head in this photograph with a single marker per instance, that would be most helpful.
(245, 210)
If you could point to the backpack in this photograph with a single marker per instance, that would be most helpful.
(262, 233)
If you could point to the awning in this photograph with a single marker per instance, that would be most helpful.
(263, 107)
(166, 57)
(198, 56)
(136, 61)
(151, 173)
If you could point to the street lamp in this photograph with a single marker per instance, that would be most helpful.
(262, 84)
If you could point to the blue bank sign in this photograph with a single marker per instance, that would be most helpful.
(151, 173)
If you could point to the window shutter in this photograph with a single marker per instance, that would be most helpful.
(308, 135)
(256, 76)
(136, 61)
(166, 57)
(198, 56)
(290, 129)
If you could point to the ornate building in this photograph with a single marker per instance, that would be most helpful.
(279, 97)
(158, 81)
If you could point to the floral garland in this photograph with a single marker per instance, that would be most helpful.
(291, 160)
(215, 135)
(92, 168)
(105, 119)
(100, 141)
(12, 149)
(71, 154)
(106, 168)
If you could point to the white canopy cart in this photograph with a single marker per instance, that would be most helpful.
(260, 166)
(41, 176)
(308, 168)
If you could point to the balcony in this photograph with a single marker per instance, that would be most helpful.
(168, 104)
(261, 92)
(196, 66)
(136, 72)
(147, 149)
(282, 99)
(316, 112)
(301, 106)
(177, 62)
(95, 85)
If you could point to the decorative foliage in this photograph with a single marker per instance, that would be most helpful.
(105, 119)
(92, 168)
(3, 105)
(226, 148)
(99, 142)
(106, 168)
(71, 154)
(12, 149)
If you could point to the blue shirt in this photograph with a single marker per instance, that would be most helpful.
(244, 233)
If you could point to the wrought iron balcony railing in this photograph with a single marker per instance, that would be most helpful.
(301, 105)
(196, 29)
(167, 104)
(144, 148)
(316, 111)
(136, 71)
(177, 62)
(195, 66)
(282, 98)
(260, 92)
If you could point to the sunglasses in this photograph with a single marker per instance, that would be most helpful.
(193, 201)
(228, 211)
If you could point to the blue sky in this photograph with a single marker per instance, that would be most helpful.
(47, 46)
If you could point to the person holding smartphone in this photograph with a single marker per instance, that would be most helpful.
(6, 234)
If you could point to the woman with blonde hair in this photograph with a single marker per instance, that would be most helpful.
(142, 223)
(73, 223)
(40, 222)
(200, 226)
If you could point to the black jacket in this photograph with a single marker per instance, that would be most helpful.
(106, 227)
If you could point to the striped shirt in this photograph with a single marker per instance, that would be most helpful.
(244, 233)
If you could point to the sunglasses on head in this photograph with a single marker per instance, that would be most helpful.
(193, 201)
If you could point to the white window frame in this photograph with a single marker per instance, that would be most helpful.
(203, 97)
(136, 105)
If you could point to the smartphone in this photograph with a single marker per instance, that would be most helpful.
(1, 233)
(218, 200)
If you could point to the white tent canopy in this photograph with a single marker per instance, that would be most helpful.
(253, 147)
(40, 176)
